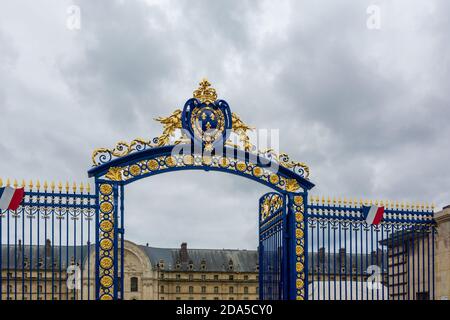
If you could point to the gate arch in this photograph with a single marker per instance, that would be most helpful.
(200, 147)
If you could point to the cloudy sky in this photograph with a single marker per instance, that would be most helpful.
(368, 109)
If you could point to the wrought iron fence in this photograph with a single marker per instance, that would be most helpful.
(47, 245)
(349, 259)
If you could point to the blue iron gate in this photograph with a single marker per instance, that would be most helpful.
(349, 259)
(46, 245)
(272, 246)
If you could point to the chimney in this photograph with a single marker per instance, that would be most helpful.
(184, 253)
(48, 248)
(342, 256)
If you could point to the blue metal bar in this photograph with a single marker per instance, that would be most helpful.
(31, 255)
(432, 257)
(340, 269)
(22, 250)
(413, 264)
(8, 256)
(1, 255)
(351, 264)
(328, 262)
(122, 245)
(38, 255)
(345, 262)
(15, 256)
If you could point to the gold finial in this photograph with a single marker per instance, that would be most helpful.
(38, 185)
(329, 200)
(339, 200)
(23, 183)
(427, 206)
(52, 186)
(60, 186)
(205, 93)
(45, 185)
(15, 185)
(67, 186)
(74, 187)
(81, 187)
(88, 188)
(323, 200)
(432, 206)
(8, 182)
(345, 201)
(1, 182)
(334, 201)
(30, 184)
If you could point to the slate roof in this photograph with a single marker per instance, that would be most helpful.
(22, 253)
(215, 260)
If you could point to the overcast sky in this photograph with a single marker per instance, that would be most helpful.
(367, 109)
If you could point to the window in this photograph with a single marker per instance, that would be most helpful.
(191, 277)
(216, 289)
(177, 298)
(25, 289)
(216, 277)
(134, 284)
(245, 277)
(162, 298)
(203, 277)
(177, 289)
(39, 289)
(230, 277)
(162, 289)
(162, 276)
(178, 276)
(246, 290)
(422, 295)
(231, 290)
(216, 298)
(203, 289)
(191, 289)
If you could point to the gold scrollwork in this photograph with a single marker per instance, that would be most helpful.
(106, 207)
(121, 149)
(292, 185)
(106, 297)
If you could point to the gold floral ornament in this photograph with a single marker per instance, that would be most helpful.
(205, 93)
(241, 129)
(170, 124)
(114, 173)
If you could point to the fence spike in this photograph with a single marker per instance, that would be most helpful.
(339, 200)
(67, 186)
(81, 187)
(345, 201)
(45, 185)
(323, 200)
(52, 186)
(30, 184)
(88, 188)
(427, 206)
(432, 206)
(74, 187)
(23, 183)
(1, 182)
(60, 186)
(15, 185)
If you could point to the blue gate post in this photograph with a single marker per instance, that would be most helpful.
(106, 240)
(298, 283)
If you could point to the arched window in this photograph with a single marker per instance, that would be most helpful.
(134, 284)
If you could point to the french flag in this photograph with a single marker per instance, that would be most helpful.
(373, 214)
(10, 198)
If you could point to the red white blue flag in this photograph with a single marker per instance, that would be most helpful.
(373, 214)
(10, 198)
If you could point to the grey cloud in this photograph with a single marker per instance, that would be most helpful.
(367, 110)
